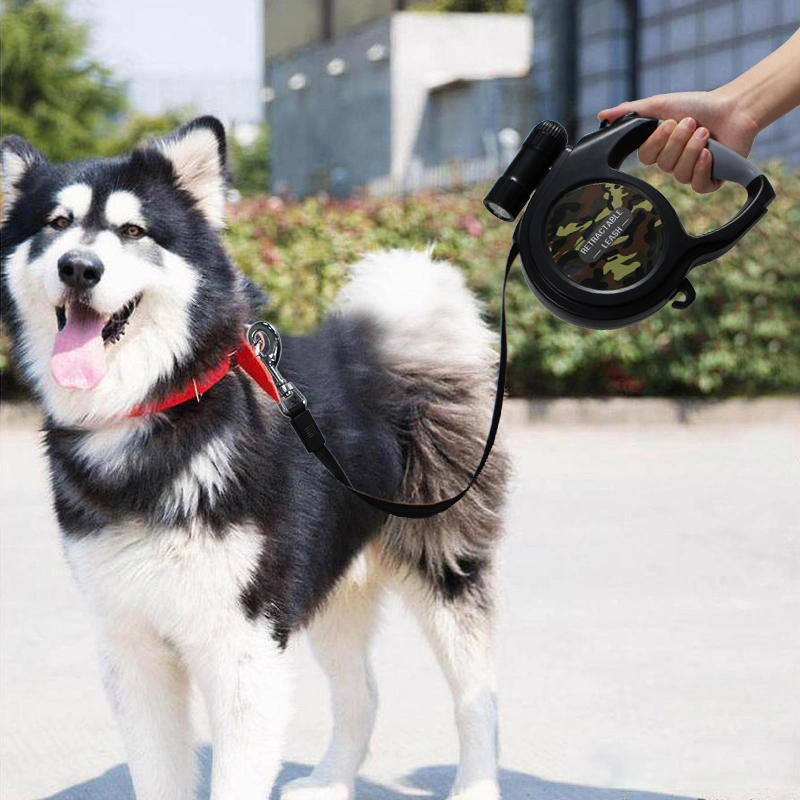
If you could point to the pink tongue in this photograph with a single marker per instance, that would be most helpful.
(79, 359)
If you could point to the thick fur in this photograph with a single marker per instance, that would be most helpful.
(205, 536)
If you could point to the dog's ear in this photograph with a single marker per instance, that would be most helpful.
(17, 158)
(198, 154)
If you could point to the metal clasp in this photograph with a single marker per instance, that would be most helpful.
(266, 341)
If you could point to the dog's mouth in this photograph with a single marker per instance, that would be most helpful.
(79, 359)
(114, 329)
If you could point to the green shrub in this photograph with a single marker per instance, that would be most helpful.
(136, 128)
(741, 337)
(250, 163)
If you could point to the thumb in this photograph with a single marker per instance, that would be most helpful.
(655, 106)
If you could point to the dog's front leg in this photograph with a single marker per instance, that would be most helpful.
(244, 677)
(149, 691)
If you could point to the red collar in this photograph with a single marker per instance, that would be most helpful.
(244, 358)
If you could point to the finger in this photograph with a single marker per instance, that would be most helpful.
(678, 140)
(610, 114)
(648, 107)
(702, 182)
(687, 161)
(651, 149)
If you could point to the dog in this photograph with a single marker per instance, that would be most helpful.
(202, 534)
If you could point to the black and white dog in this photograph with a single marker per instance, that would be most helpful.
(203, 534)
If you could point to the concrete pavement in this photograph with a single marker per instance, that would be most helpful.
(648, 643)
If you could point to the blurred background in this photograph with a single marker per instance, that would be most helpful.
(357, 124)
(648, 634)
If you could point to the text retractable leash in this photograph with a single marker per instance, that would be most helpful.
(600, 249)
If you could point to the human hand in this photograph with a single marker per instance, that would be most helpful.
(679, 147)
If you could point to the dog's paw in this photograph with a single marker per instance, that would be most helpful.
(482, 790)
(312, 788)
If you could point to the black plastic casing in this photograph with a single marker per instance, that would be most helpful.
(514, 187)
(596, 159)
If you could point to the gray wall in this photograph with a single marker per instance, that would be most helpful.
(335, 126)
(684, 45)
(461, 121)
(442, 92)
(431, 53)
(702, 45)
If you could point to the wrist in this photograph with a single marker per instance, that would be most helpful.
(741, 103)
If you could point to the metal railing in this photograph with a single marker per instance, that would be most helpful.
(441, 177)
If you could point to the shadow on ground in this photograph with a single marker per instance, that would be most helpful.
(428, 783)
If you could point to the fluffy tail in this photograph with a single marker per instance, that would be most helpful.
(433, 339)
(424, 308)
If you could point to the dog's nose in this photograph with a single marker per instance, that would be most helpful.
(80, 269)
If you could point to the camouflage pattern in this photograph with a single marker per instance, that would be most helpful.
(631, 256)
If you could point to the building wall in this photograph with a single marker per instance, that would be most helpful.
(291, 25)
(435, 50)
(350, 14)
(461, 121)
(683, 45)
(335, 132)
(604, 58)
(383, 116)
(703, 45)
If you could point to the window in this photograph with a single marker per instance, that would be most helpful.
(752, 50)
(788, 11)
(717, 23)
(652, 42)
(651, 82)
(683, 75)
(757, 15)
(682, 33)
(604, 68)
(718, 67)
(652, 8)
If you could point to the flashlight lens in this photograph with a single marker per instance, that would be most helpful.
(500, 213)
(507, 198)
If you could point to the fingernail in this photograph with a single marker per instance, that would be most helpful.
(701, 133)
(689, 123)
(670, 125)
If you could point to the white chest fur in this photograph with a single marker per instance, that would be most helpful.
(185, 584)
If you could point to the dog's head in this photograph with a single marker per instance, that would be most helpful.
(115, 283)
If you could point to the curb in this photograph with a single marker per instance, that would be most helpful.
(632, 411)
(622, 411)
(20, 415)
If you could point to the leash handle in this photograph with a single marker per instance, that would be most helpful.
(266, 341)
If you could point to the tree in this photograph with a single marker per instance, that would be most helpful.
(137, 127)
(53, 93)
(250, 164)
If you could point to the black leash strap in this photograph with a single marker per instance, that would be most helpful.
(292, 403)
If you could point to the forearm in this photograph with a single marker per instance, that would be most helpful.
(771, 88)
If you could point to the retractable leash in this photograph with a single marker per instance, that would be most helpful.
(603, 249)
(600, 249)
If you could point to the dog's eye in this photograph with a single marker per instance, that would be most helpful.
(131, 231)
(60, 223)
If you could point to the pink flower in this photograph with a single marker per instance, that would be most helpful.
(472, 225)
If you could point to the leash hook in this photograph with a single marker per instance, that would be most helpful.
(266, 342)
